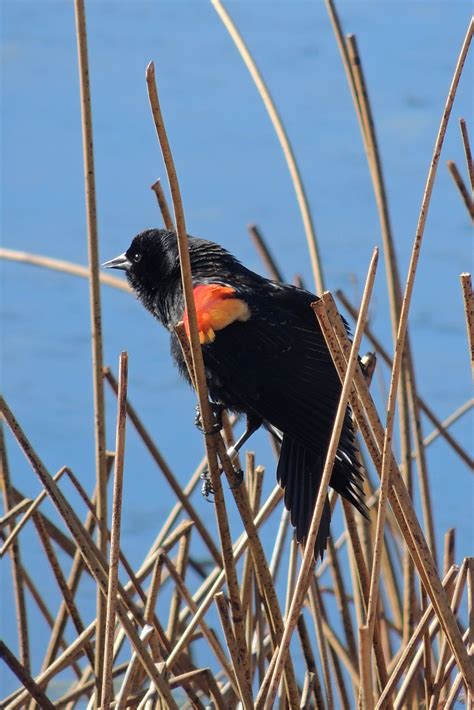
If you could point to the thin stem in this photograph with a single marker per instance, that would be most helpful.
(284, 142)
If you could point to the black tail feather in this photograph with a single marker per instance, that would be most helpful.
(299, 474)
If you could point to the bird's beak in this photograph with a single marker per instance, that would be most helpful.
(120, 262)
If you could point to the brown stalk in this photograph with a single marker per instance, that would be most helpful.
(92, 555)
(341, 598)
(403, 509)
(62, 584)
(408, 396)
(96, 325)
(74, 649)
(77, 567)
(10, 515)
(16, 564)
(410, 648)
(356, 79)
(457, 414)
(32, 688)
(65, 267)
(216, 579)
(358, 560)
(115, 532)
(410, 676)
(303, 578)
(264, 253)
(167, 472)
(467, 151)
(462, 189)
(32, 507)
(366, 696)
(163, 205)
(449, 545)
(468, 298)
(444, 648)
(226, 624)
(181, 566)
(323, 635)
(284, 142)
(423, 406)
(201, 388)
(214, 644)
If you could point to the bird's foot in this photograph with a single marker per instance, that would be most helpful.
(207, 489)
(217, 411)
(239, 476)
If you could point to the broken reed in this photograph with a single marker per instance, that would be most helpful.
(332, 640)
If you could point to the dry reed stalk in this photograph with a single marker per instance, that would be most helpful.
(163, 205)
(91, 554)
(32, 507)
(214, 644)
(413, 669)
(402, 328)
(322, 641)
(408, 398)
(65, 267)
(284, 142)
(341, 598)
(409, 649)
(201, 389)
(75, 573)
(13, 513)
(444, 649)
(467, 151)
(409, 401)
(24, 677)
(181, 567)
(303, 578)
(167, 472)
(366, 696)
(62, 584)
(446, 423)
(16, 564)
(216, 579)
(468, 298)
(462, 189)
(96, 325)
(403, 509)
(115, 532)
(264, 253)
(422, 404)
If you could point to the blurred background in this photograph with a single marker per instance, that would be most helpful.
(232, 173)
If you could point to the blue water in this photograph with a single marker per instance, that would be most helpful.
(231, 172)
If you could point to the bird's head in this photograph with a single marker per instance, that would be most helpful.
(150, 260)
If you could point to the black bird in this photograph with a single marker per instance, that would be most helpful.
(264, 356)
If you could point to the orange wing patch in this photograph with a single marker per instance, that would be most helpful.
(216, 308)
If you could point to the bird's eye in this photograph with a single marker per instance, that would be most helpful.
(136, 257)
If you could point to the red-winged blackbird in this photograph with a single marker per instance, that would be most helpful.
(264, 356)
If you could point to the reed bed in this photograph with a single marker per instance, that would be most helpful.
(380, 623)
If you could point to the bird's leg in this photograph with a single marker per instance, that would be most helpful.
(253, 423)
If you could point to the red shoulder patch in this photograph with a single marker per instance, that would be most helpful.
(216, 307)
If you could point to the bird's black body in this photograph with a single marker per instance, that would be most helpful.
(274, 365)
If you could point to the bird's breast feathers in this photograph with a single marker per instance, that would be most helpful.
(217, 306)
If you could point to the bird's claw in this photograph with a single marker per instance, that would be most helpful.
(207, 489)
(239, 475)
(217, 411)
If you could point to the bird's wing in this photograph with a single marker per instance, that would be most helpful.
(277, 364)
